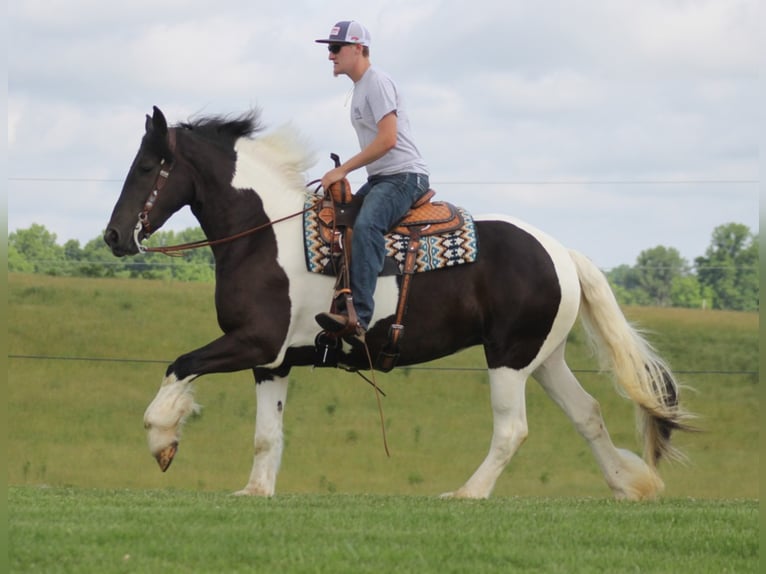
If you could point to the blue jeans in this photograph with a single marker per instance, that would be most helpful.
(387, 198)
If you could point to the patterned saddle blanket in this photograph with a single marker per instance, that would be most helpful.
(456, 245)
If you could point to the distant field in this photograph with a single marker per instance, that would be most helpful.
(78, 423)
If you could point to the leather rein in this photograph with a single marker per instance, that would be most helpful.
(160, 182)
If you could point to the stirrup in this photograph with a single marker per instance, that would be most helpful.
(332, 322)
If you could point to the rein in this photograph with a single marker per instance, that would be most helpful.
(174, 250)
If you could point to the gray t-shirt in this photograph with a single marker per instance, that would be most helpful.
(376, 95)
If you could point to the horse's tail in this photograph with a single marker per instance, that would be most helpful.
(637, 370)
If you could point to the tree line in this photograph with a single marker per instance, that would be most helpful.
(725, 277)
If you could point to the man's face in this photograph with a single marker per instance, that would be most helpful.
(343, 57)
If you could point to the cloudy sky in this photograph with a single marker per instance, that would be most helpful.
(614, 125)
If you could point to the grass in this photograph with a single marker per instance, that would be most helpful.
(76, 530)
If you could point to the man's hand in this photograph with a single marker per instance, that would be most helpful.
(334, 175)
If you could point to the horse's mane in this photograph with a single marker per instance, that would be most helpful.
(225, 130)
(284, 147)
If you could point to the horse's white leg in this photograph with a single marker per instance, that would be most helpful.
(627, 474)
(271, 396)
(509, 431)
(165, 416)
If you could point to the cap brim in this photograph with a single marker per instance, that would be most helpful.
(337, 42)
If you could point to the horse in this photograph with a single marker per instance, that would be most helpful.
(519, 300)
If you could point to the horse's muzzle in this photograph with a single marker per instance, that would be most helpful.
(114, 240)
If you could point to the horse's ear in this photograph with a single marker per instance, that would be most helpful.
(159, 123)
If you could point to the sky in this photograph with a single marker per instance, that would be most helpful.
(615, 126)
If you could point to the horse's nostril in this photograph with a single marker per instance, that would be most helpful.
(111, 237)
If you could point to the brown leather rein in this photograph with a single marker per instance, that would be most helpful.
(175, 250)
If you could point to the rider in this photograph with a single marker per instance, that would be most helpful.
(397, 174)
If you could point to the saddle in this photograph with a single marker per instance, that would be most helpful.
(340, 207)
(336, 214)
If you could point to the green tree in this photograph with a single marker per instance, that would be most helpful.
(656, 269)
(686, 291)
(17, 262)
(97, 261)
(729, 268)
(191, 265)
(34, 250)
(72, 251)
(37, 246)
(625, 284)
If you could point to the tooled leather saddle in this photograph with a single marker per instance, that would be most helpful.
(340, 207)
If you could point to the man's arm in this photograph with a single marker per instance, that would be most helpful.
(384, 141)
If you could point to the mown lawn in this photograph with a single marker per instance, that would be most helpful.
(90, 530)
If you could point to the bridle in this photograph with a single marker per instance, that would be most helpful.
(160, 182)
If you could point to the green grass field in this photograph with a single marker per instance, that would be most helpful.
(76, 447)
(104, 531)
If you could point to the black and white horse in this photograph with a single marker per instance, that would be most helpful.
(519, 300)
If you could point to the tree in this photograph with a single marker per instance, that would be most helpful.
(656, 269)
(97, 261)
(34, 250)
(625, 284)
(72, 251)
(687, 292)
(192, 265)
(17, 262)
(729, 268)
(37, 246)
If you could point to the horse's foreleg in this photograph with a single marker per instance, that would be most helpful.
(627, 475)
(271, 396)
(174, 402)
(165, 416)
(509, 432)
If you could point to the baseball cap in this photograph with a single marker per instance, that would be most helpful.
(348, 32)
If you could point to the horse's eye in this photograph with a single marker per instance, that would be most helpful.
(145, 167)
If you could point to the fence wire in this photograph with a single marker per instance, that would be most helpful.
(413, 368)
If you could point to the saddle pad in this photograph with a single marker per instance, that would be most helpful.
(436, 251)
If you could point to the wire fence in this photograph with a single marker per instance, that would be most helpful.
(177, 262)
(467, 182)
(128, 360)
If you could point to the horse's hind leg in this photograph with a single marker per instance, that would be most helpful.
(627, 475)
(271, 396)
(509, 431)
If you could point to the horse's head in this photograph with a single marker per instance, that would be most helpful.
(155, 188)
(195, 164)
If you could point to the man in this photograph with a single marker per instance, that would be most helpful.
(397, 174)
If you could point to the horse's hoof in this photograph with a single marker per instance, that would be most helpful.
(252, 492)
(166, 455)
(462, 494)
